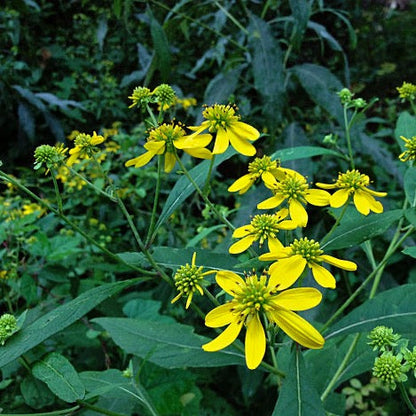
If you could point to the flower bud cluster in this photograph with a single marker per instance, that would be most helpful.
(8, 326)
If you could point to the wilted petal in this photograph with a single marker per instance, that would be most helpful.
(227, 337)
(220, 316)
(342, 264)
(285, 272)
(298, 299)
(255, 342)
(339, 198)
(297, 328)
(242, 245)
(323, 276)
(230, 282)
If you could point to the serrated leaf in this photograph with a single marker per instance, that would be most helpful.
(57, 319)
(167, 344)
(184, 188)
(321, 86)
(60, 376)
(356, 228)
(297, 396)
(302, 152)
(394, 308)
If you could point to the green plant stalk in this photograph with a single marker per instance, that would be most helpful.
(341, 368)
(406, 398)
(212, 298)
(90, 239)
(348, 137)
(152, 116)
(232, 18)
(150, 235)
(57, 193)
(203, 196)
(382, 263)
(338, 220)
(53, 413)
(146, 402)
(208, 180)
(98, 409)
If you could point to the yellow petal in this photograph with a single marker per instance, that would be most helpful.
(274, 244)
(365, 203)
(267, 176)
(342, 264)
(271, 202)
(245, 131)
(198, 129)
(200, 153)
(188, 142)
(242, 183)
(170, 161)
(242, 245)
(230, 282)
(375, 193)
(141, 160)
(339, 198)
(297, 328)
(287, 225)
(285, 272)
(227, 337)
(323, 276)
(156, 147)
(317, 197)
(95, 139)
(221, 142)
(220, 316)
(280, 253)
(255, 342)
(240, 144)
(298, 299)
(326, 185)
(241, 232)
(298, 213)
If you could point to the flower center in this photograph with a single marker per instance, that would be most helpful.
(220, 116)
(293, 187)
(309, 249)
(254, 296)
(352, 179)
(167, 133)
(187, 278)
(260, 165)
(265, 226)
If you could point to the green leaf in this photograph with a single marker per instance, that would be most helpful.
(297, 396)
(60, 376)
(409, 185)
(356, 228)
(167, 344)
(410, 251)
(35, 393)
(222, 86)
(57, 319)
(183, 187)
(303, 152)
(321, 86)
(394, 308)
(193, 242)
(267, 66)
(405, 126)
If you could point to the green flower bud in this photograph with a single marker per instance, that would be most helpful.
(165, 95)
(410, 360)
(359, 103)
(389, 368)
(345, 96)
(50, 156)
(382, 338)
(8, 326)
(140, 97)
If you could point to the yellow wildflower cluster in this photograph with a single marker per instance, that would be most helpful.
(407, 91)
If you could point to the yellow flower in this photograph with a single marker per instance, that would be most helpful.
(85, 147)
(31, 208)
(259, 168)
(353, 183)
(188, 280)
(254, 298)
(407, 91)
(292, 260)
(262, 227)
(222, 120)
(164, 139)
(410, 152)
(292, 187)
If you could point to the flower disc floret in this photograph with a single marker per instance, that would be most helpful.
(85, 147)
(389, 368)
(410, 152)
(50, 156)
(252, 299)
(382, 338)
(164, 139)
(140, 97)
(353, 183)
(410, 358)
(165, 95)
(259, 168)
(8, 326)
(223, 121)
(292, 261)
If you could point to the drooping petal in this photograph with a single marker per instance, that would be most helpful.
(317, 197)
(271, 202)
(170, 161)
(326, 185)
(285, 272)
(274, 244)
(255, 342)
(221, 142)
(241, 144)
(297, 328)
(323, 276)
(375, 193)
(227, 337)
(188, 142)
(230, 282)
(298, 213)
(245, 131)
(339, 198)
(242, 183)
(280, 253)
(242, 245)
(220, 316)
(342, 264)
(141, 160)
(298, 299)
(364, 202)
(199, 152)
(156, 147)
(377, 207)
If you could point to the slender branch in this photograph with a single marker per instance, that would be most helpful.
(338, 220)
(53, 413)
(406, 398)
(155, 203)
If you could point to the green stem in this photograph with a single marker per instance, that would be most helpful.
(338, 220)
(406, 398)
(210, 296)
(152, 116)
(53, 413)
(341, 368)
(150, 235)
(57, 193)
(208, 180)
(232, 18)
(98, 409)
(348, 137)
(203, 196)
